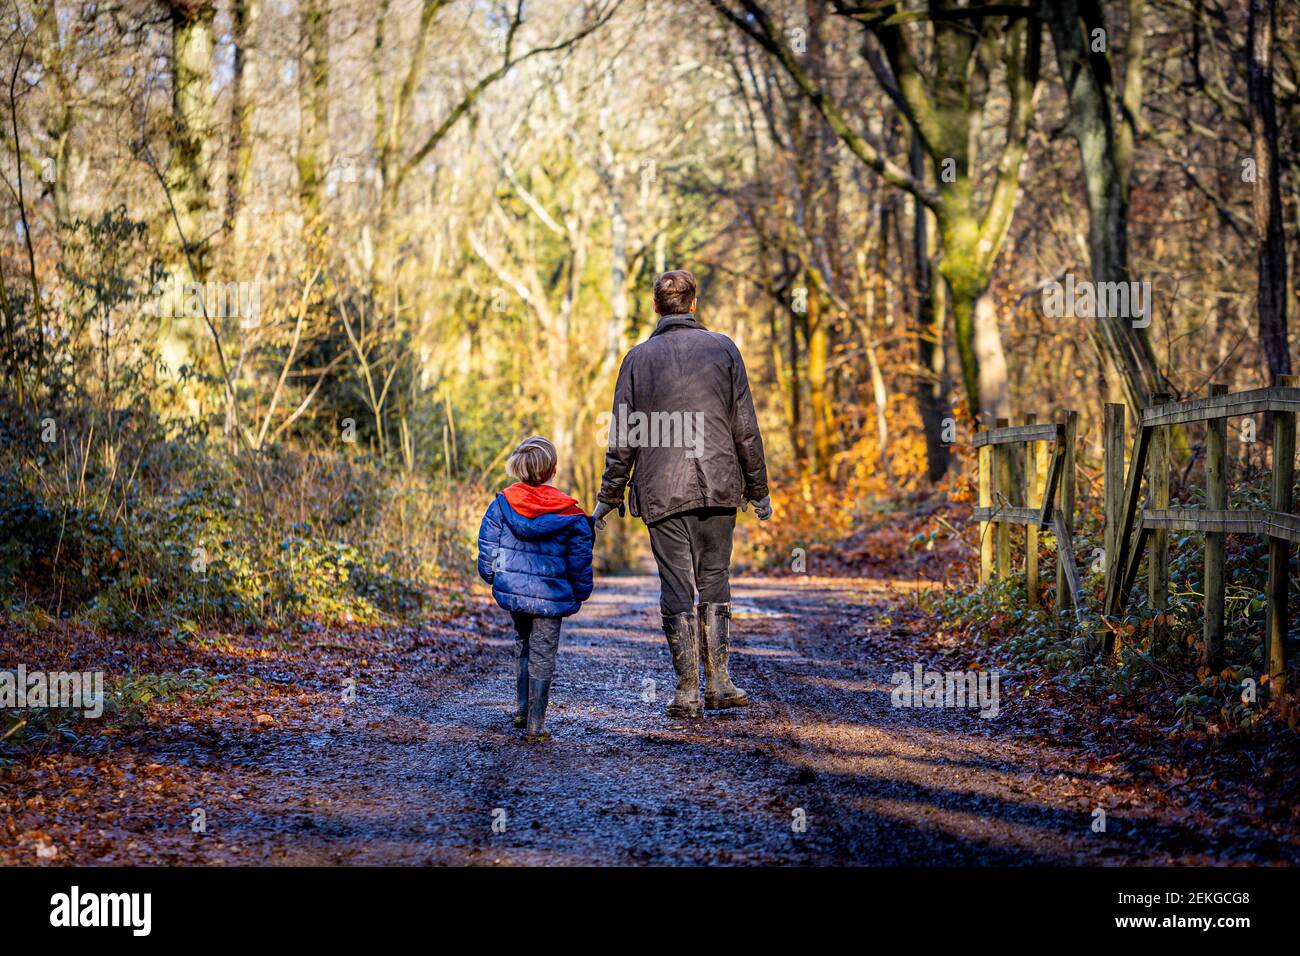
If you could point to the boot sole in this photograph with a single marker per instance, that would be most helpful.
(686, 713)
(725, 703)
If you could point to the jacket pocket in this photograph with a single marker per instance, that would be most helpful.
(634, 500)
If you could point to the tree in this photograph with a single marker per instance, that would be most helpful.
(1271, 249)
(239, 159)
(942, 108)
(190, 165)
(313, 110)
(1103, 121)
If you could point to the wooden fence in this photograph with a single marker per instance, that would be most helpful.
(1017, 485)
(1147, 529)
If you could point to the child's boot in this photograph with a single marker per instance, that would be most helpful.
(539, 692)
(521, 691)
(683, 643)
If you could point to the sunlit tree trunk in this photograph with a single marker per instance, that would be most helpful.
(875, 316)
(618, 277)
(56, 56)
(818, 383)
(190, 167)
(243, 18)
(313, 111)
(781, 376)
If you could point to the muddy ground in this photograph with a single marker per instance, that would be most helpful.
(424, 766)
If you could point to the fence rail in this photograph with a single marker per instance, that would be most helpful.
(1146, 529)
(1019, 486)
(1023, 481)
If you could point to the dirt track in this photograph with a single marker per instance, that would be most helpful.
(621, 783)
(421, 769)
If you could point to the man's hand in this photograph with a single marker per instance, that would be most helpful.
(763, 508)
(598, 516)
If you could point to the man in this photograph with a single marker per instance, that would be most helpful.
(685, 437)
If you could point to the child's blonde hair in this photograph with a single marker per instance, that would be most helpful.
(533, 462)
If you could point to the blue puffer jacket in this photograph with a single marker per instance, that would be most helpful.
(534, 548)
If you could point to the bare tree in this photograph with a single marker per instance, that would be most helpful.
(942, 105)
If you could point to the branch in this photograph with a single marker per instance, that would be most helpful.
(887, 17)
(531, 201)
(499, 270)
(766, 35)
(909, 90)
(478, 88)
(288, 362)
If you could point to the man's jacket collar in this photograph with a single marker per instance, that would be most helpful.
(684, 320)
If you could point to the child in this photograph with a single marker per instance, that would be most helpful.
(534, 548)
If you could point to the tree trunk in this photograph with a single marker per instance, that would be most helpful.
(931, 374)
(781, 376)
(793, 392)
(1106, 153)
(1271, 250)
(618, 267)
(192, 109)
(313, 111)
(879, 399)
(975, 321)
(818, 391)
(243, 17)
(60, 130)
(994, 389)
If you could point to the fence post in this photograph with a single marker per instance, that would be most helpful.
(1279, 552)
(1065, 492)
(1035, 479)
(986, 501)
(1002, 482)
(1158, 495)
(1113, 424)
(1216, 499)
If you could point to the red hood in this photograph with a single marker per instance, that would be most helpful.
(533, 500)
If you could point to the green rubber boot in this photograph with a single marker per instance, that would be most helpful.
(539, 693)
(683, 643)
(520, 718)
(715, 650)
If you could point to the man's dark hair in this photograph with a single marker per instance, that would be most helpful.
(674, 292)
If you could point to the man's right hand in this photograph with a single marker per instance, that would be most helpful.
(598, 516)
